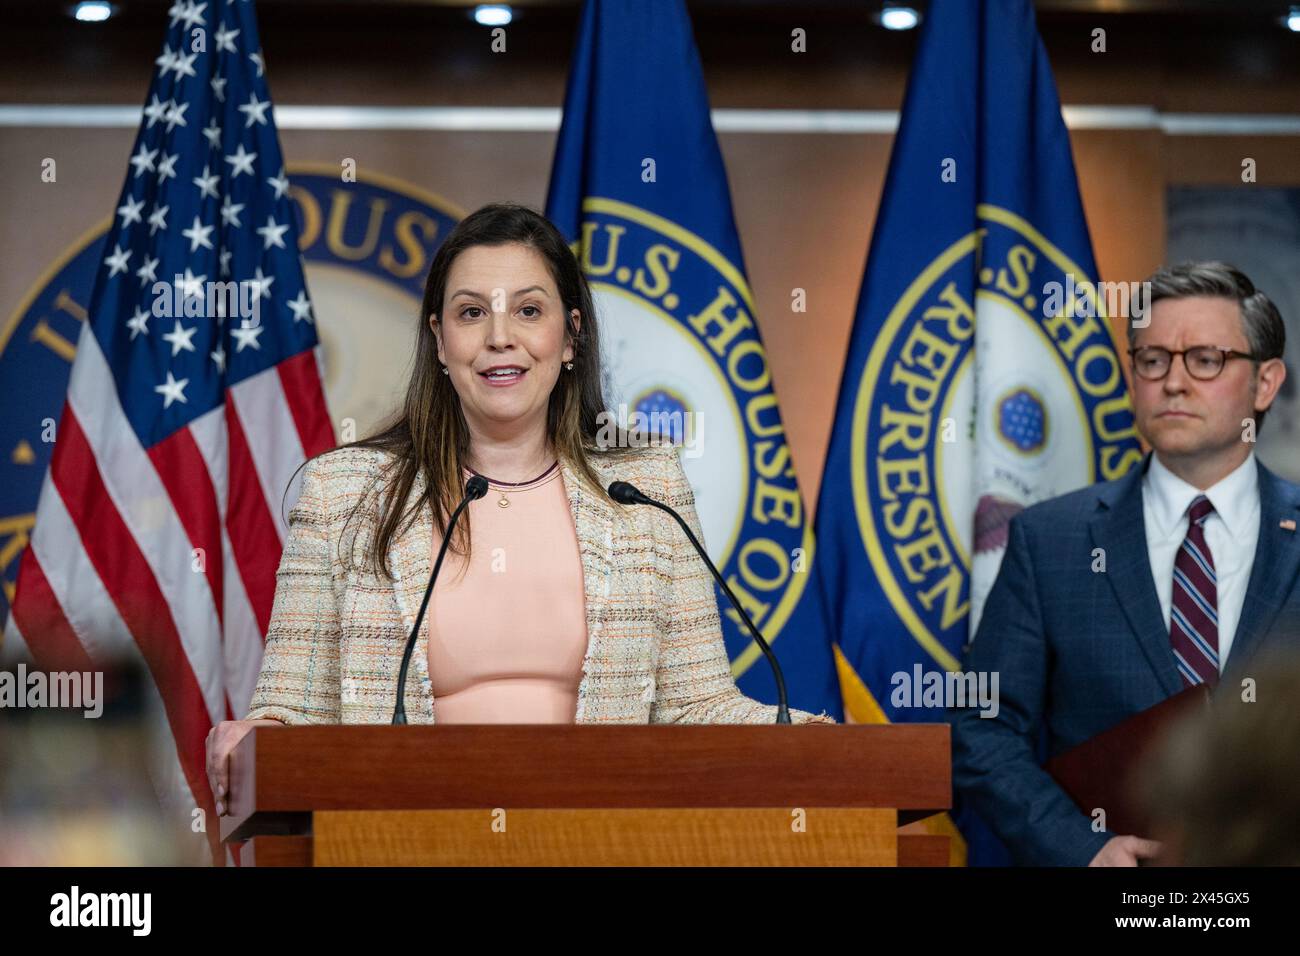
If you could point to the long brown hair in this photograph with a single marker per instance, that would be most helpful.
(429, 432)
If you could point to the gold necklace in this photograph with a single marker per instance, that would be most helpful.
(515, 486)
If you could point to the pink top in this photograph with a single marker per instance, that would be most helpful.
(508, 630)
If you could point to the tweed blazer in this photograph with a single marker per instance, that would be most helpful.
(655, 652)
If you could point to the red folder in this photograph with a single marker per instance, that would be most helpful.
(1100, 771)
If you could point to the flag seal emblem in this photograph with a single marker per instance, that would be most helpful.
(1056, 410)
(661, 289)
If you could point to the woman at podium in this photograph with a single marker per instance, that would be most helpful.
(553, 604)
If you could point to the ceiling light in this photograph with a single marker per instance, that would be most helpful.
(493, 14)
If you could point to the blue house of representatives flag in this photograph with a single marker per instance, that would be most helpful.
(981, 375)
(639, 188)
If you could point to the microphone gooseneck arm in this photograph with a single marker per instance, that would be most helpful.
(628, 494)
(475, 488)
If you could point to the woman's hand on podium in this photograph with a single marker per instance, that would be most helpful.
(222, 739)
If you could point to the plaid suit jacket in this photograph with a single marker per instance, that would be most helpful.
(655, 652)
(1079, 651)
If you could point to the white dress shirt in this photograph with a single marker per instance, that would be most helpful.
(1231, 532)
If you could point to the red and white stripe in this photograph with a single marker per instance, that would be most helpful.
(113, 566)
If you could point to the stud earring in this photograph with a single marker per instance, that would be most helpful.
(568, 366)
(445, 370)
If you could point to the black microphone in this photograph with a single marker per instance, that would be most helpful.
(475, 489)
(628, 494)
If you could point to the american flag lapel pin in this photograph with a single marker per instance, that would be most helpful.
(1287, 524)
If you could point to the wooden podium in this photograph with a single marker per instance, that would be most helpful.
(589, 795)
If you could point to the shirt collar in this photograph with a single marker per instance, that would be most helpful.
(1170, 496)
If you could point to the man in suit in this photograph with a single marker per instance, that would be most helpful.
(1112, 598)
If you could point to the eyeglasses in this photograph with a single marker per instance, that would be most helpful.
(1202, 362)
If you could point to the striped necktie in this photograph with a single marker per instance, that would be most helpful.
(1194, 614)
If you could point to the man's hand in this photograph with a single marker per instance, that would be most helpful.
(1125, 851)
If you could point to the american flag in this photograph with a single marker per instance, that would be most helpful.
(159, 527)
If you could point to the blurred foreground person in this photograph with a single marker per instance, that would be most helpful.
(1224, 788)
